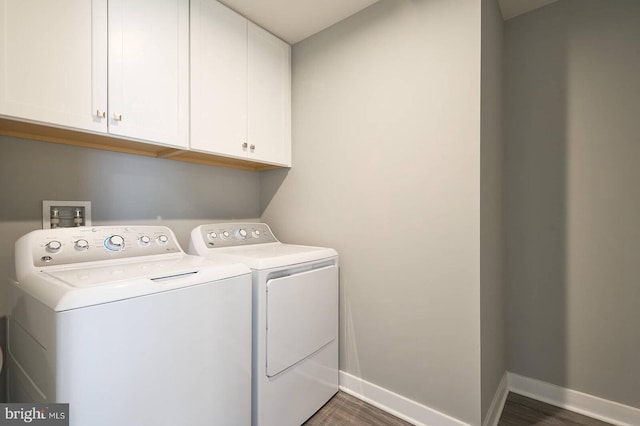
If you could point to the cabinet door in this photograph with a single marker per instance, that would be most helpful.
(269, 97)
(218, 79)
(148, 70)
(47, 68)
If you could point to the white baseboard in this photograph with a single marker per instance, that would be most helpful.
(421, 415)
(497, 405)
(397, 405)
(589, 405)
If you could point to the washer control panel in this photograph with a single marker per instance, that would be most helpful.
(62, 246)
(236, 234)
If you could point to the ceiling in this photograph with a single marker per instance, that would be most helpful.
(295, 20)
(512, 8)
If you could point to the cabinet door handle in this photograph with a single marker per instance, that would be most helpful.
(252, 147)
(117, 117)
(102, 114)
(245, 145)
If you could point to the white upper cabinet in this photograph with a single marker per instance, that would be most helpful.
(56, 68)
(269, 97)
(218, 79)
(240, 87)
(186, 74)
(149, 70)
(47, 51)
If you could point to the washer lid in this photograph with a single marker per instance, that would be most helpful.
(272, 255)
(63, 288)
(101, 274)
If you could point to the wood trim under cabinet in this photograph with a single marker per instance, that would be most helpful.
(40, 132)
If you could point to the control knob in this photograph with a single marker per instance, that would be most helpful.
(212, 235)
(241, 234)
(114, 243)
(82, 245)
(162, 240)
(54, 246)
(224, 235)
(144, 240)
(256, 233)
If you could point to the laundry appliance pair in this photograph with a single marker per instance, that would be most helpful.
(128, 329)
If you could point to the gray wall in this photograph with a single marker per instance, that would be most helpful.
(492, 287)
(386, 153)
(573, 97)
(122, 188)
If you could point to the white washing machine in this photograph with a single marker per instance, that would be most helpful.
(129, 330)
(295, 318)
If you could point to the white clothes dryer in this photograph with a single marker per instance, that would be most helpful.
(128, 329)
(295, 318)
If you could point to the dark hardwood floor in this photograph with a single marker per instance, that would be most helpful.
(343, 409)
(520, 410)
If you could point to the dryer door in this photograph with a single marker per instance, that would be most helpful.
(302, 316)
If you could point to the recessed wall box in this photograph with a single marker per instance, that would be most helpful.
(65, 214)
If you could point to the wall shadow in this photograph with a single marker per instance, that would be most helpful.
(535, 185)
(121, 187)
(270, 183)
(572, 203)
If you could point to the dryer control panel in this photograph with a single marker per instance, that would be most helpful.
(217, 235)
(63, 246)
